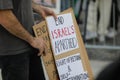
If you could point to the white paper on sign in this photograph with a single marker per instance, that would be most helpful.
(71, 68)
(62, 33)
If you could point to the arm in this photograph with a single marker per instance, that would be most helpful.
(8, 20)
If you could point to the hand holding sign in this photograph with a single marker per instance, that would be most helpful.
(48, 60)
(67, 48)
(39, 44)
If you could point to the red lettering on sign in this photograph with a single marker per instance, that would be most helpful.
(62, 32)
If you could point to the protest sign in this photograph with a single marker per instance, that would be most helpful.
(40, 30)
(68, 48)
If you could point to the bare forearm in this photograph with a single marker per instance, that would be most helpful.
(10, 23)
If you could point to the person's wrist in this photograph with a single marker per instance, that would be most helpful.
(31, 41)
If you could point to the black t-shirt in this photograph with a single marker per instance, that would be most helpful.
(9, 44)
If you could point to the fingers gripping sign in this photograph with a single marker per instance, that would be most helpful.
(39, 44)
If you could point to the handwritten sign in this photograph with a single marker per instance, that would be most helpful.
(48, 60)
(62, 33)
(73, 68)
(68, 49)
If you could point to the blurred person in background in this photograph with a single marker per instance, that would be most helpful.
(18, 46)
(104, 7)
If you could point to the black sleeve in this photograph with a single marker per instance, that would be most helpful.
(6, 4)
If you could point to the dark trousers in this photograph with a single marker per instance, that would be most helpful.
(25, 66)
(36, 70)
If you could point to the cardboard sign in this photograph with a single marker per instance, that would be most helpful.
(48, 60)
(68, 49)
(62, 34)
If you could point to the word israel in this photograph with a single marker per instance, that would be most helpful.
(68, 60)
(63, 32)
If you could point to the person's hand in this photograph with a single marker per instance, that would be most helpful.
(39, 44)
(45, 11)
